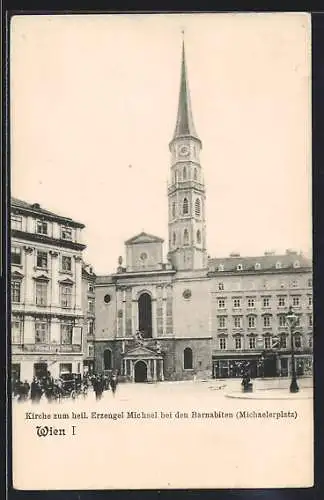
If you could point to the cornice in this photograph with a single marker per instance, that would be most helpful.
(39, 238)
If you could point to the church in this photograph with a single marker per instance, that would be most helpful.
(185, 315)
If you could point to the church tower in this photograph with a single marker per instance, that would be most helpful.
(186, 191)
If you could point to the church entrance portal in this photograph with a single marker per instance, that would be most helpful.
(140, 372)
(145, 315)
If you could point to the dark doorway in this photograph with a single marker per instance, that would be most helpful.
(15, 373)
(270, 367)
(107, 359)
(40, 370)
(145, 315)
(140, 372)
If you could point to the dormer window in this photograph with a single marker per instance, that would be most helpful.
(257, 266)
(296, 264)
(220, 267)
(41, 227)
(16, 222)
(239, 267)
(66, 233)
(278, 265)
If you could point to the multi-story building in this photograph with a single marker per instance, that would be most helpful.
(46, 292)
(250, 300)
(88, 307)
(191, 315)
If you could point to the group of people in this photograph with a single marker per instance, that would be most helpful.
(101, 383)
(53, 389)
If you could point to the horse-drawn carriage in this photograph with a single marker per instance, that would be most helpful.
(69, 385)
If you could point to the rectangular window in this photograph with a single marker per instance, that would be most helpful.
(283, 342)
(66, 233)
(282, 320)
(220, 286)
(282, 301)
(266, 302)
(41, 293)
(222, 322)
(91, 306)
(310, 342)
(238, 322)
(66, 296)
(15, 290)
(41, 332)
(16, 222)
(65, 368)
(298, 342)
(294, 283)
(16, 330)
(41, 261)
(309, 283)
(267, 342)
(221, 303)
(41, 227)
(310, 300)
(90, 351)
(252, 342)
(90, 287)
(296, 301)
(297, 323)
(238, 343)
(66, 263)
(310, 320)
(222, 344)
(251, 321)
(66, 333)
(266, 321)
(251, 302)
(90, 327)
(16, 255)
(236, 303)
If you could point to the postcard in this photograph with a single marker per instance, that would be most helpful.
(161, 251)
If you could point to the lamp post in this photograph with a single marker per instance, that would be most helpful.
(291, 319)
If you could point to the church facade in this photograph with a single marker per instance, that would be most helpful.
(188, 316)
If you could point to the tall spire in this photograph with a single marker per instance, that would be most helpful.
(185, 124)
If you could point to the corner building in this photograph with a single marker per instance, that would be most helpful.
(46, 292)
(191, 316)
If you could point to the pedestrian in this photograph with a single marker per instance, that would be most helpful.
(98, 387)
(35, 393)
(114, 383)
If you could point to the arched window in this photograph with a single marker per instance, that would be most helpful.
(197, 207)
(186, 237)
(174, 238)
(185, 206)
(173, 209)
(145, 315)
(184, 174)
(195, 174)
(187, 359)
(107, 359)
(198, 236)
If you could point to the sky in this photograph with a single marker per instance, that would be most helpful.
(93, 108)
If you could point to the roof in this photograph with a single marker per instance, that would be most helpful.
(36, 209)
(143, 238)
(185, 125)
(289, 260)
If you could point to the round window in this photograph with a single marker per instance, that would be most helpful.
(107, 298)
(143, 256)
(187, 294)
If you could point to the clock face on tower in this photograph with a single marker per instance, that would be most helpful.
(184, 150)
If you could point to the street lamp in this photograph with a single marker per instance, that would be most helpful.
(291, 319)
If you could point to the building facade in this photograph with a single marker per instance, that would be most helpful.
(192, 316)
(46, 292)
(89, 326)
